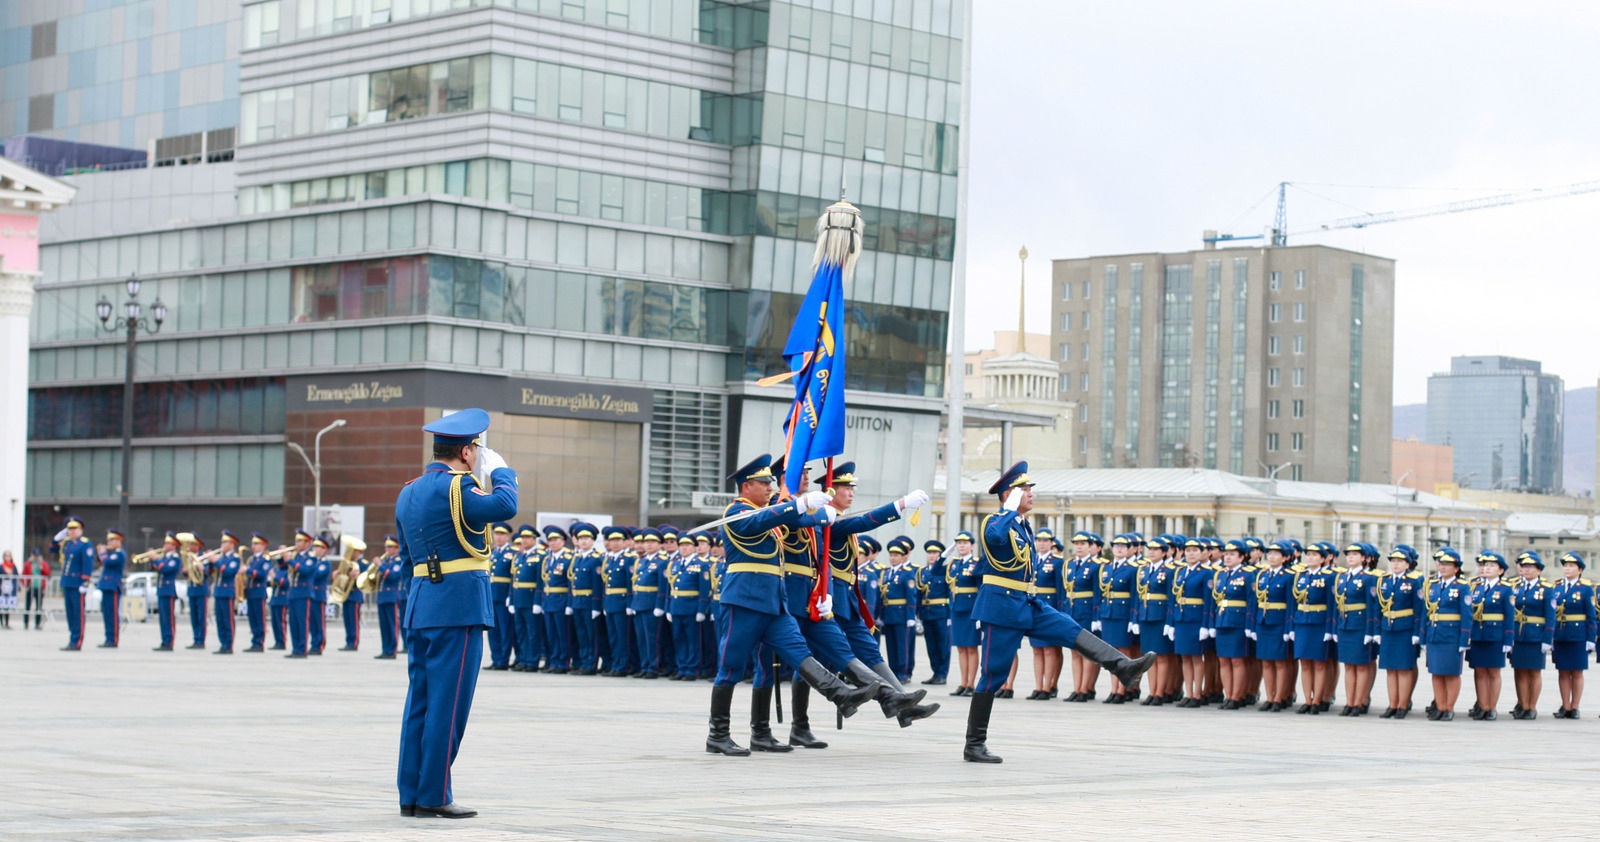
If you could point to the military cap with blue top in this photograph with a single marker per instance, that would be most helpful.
(527, 531)
(964, 535)
(1195, 543)
(668, 533)
(227, 535)
(301, 533)
(74, 521)
(1122, 540)
(758, 469)
(1491, 557)
(1448, 555)
(901, 544)
(1403, 552)
(554, 531)
(869, 545)
(113, 533)
(617, 533)
(1015, 477)
(1085, 538)
(1236, 546)
(258, 538)
(391, 541)
(461, 427)
(1530, 558)
(648, 533)
(320, 542)
(685, 539)
(502, 528)
(932, 546)
(1044, 534)
(584, 530)
(1283, 548)
(1573, 558)
(844, 473)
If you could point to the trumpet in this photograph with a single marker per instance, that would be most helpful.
(279, 552)
(146, 556)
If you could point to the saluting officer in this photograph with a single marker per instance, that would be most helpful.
(502, 636)
(390, 583)
(223, 575)
(258, 570)
(1533, 602)
(1081, 582)
(112, 562)
(1447, 633)
(167, 568)
(1007, 609)
(77, 566)
(617, 576)
(1493, 633)
(1575, 632)
(443, 517)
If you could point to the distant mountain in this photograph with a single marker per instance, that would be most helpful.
(1579, 434)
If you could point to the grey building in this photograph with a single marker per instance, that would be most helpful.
(592, 217)
(1236, 359)
(1502, 417)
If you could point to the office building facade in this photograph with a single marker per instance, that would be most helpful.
(1502, 417)
(591, 217)
(1243, 360)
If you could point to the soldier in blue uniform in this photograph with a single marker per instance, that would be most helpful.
(199, 592)
(587, 594)
(1534, 610)
(1048, 570)
(442, 518)
(686, 606)
(223, 575)
(1576, 625)
(1008, 609)
(1273, 625)
(1233, 604)
(1081, 589)
(278, 602)
(707, 627)
(1493, 633)
(556, 600)
(1114, 618)
(1152, 618)
(317, 619)
(1356, 595)
(897, 592)
(933, 609)
(963, 573)
(617, 579)
(390, 582)
(1315, 619)
(1191, 612)
(258, 569)
(1447, 632)
(1401, 611)
(167, 567)
(528, 600)
(502, 635)
(645, 603)
(302, 566)
(112, 563)
(77, 567)
(753, 595)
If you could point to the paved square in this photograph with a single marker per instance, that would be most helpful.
(135, 744)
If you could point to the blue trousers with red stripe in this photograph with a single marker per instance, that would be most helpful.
(198, 619)
(388, 626)
(280, 624)
(225, 621)
(168, 619)
(352, 623)
(746, 628)
(443, 668)
(74, 600)
(255, 610)
(111, 613)
(999, 644)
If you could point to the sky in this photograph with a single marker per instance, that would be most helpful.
(1114, 127)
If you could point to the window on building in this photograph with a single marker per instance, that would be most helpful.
(1297, 441)
(1299, 279)
(1272, 442)
(1085, 290)
(1066, 382)
(1274, 281)
(1083, 413)
(44, 40)
(1066, 321)
(1066, 290)
(1294, 474)
(1272, 409)
(1273, 312)
(1272, 377)
(1084, 349)
(1083, 443)
(1085, 320)
(1299, 408)
(1299, 377)
(1064, 353)
(1272, 345)
(1085, 381)
(1300, 344)
(968, 368)
(1300, 311)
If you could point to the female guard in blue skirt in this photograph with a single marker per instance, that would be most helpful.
(1191, 610)
(1153, 583)
(1233, 603)
(1274, 626)
(1082, 583)
(1355, 593)
(1447, 632)
(1008, 609)
(1114, 619)
(1314, 616)
(1400, 628)
(1492, 633)
(963, 573)
(1575, 632)
(1534, 618)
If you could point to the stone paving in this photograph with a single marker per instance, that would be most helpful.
(135, 744)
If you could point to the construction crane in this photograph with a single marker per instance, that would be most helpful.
(1278, 234)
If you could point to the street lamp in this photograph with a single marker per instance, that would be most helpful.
(1272, 477)
(131, 322)
(1394, 524)
(315, 465)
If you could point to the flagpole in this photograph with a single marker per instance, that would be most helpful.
(825, 563)
(958, 295)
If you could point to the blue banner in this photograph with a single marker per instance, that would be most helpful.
(815, 351)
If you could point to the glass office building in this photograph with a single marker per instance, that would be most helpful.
(592, 217)
(1502, 418)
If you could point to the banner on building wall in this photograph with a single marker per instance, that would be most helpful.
(511, 395)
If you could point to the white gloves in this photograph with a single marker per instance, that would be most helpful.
(700, 616)
(1328, 638)
(1211, 633)
(978, 624)
(1250, 633)
(1416, 640)
(911, 624)
(829, 514)
(1372, 638)
(1463, 650)
(538, 609)
(1094, 626)
(511, 608)
(825, 606)
(1289, 636)
(630, 612)
(669, 618)
(488, 462)
(569, 611)
(1546, 648)
(813, 500)
(1169, 632)
(1588, 646)
(1133, 628)
(593, 614)
(1013, 500)
(61, 536)
(915, 500)
(658, 612)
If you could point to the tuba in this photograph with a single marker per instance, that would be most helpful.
(371, 579)
(343, 580)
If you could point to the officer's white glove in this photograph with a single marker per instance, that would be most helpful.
(538, 609)
(1094, 626)
(1013, 500)
(1589, 646)
(1463, 650)
(1133, 628)
(813, 500)
(825, 606)
(593, 614)
(658, 612)
(1505, 650)
(1250, 633)
(1416, 640)
(911, 624)
(630, 612)
(919, 626)
(1169, 632)
(830, 514)
(1372, 638)
(1288, 636)
(977, 624)
(488, 462)
(700, 616)
(61, 536)
(915, 500)
(569, 611)
(1211, 633)
(1546, 648)
(1329, 638)
(669, 618)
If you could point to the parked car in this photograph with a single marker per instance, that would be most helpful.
(143, 586)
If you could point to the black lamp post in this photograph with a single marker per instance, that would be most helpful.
(132, 323)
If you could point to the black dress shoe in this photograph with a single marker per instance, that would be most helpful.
(382, 657)
(1051, 694)
(1324, 706)
(255, 649)
(278, 648)
(1475, 712)
(1305, 708)
(1447, 716)
(1388, 713)
(1361, 710)
(161, 649)
(77, 648)
(1402, 713)
(1150, 701)
(1089, 696)
(315, 652)
(107, 646)
(408, 809)
(347, 649)
(1006, 694)
(195, 646)
(1433, 714)
(1249, 699)
(445, 811)
(497, 667)
(960, 690)
(295, 655)
(1488, 716)
(223, 652)
(1266, 707)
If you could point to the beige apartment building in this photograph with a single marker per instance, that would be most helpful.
(1239, 359)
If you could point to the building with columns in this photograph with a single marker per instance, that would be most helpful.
(1015, 377)
(24, 194)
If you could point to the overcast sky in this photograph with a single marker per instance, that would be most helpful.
(1110, 127)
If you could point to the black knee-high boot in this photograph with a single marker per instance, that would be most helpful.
(977, 749)
(761, 723)
(719, 741)
(800, 722)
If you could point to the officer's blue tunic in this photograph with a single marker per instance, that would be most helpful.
(555, 599)
(753, 589)
(897, 616)
(388, 600)
(1355, 594)
(1449, 624)
(1005, 607)
(222, 596)
(279, 602)
(963, 577)
(1315, 614)
(1534, 608)
(844, 587)
(1191, 608)
(502, 637)
(1575, 623)
(649, 578)
(350, 612)
(1274, 613)
(199, 617)
(1493, 626)
(826, 640)
(77, 565)
(321, 573)
(167, 569)
(257, 571)
(1400, 611)
(1153, 584)
(444, 620)
(617, 576)
(1233, 607)
(301, 570)
(587, 595)
(933, 609)
(528, 593)
(690, 592)
(1081, 584)
(1118, 580)
(868, 575)
(111, 566)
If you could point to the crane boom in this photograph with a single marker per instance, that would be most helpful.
(1462, 206)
